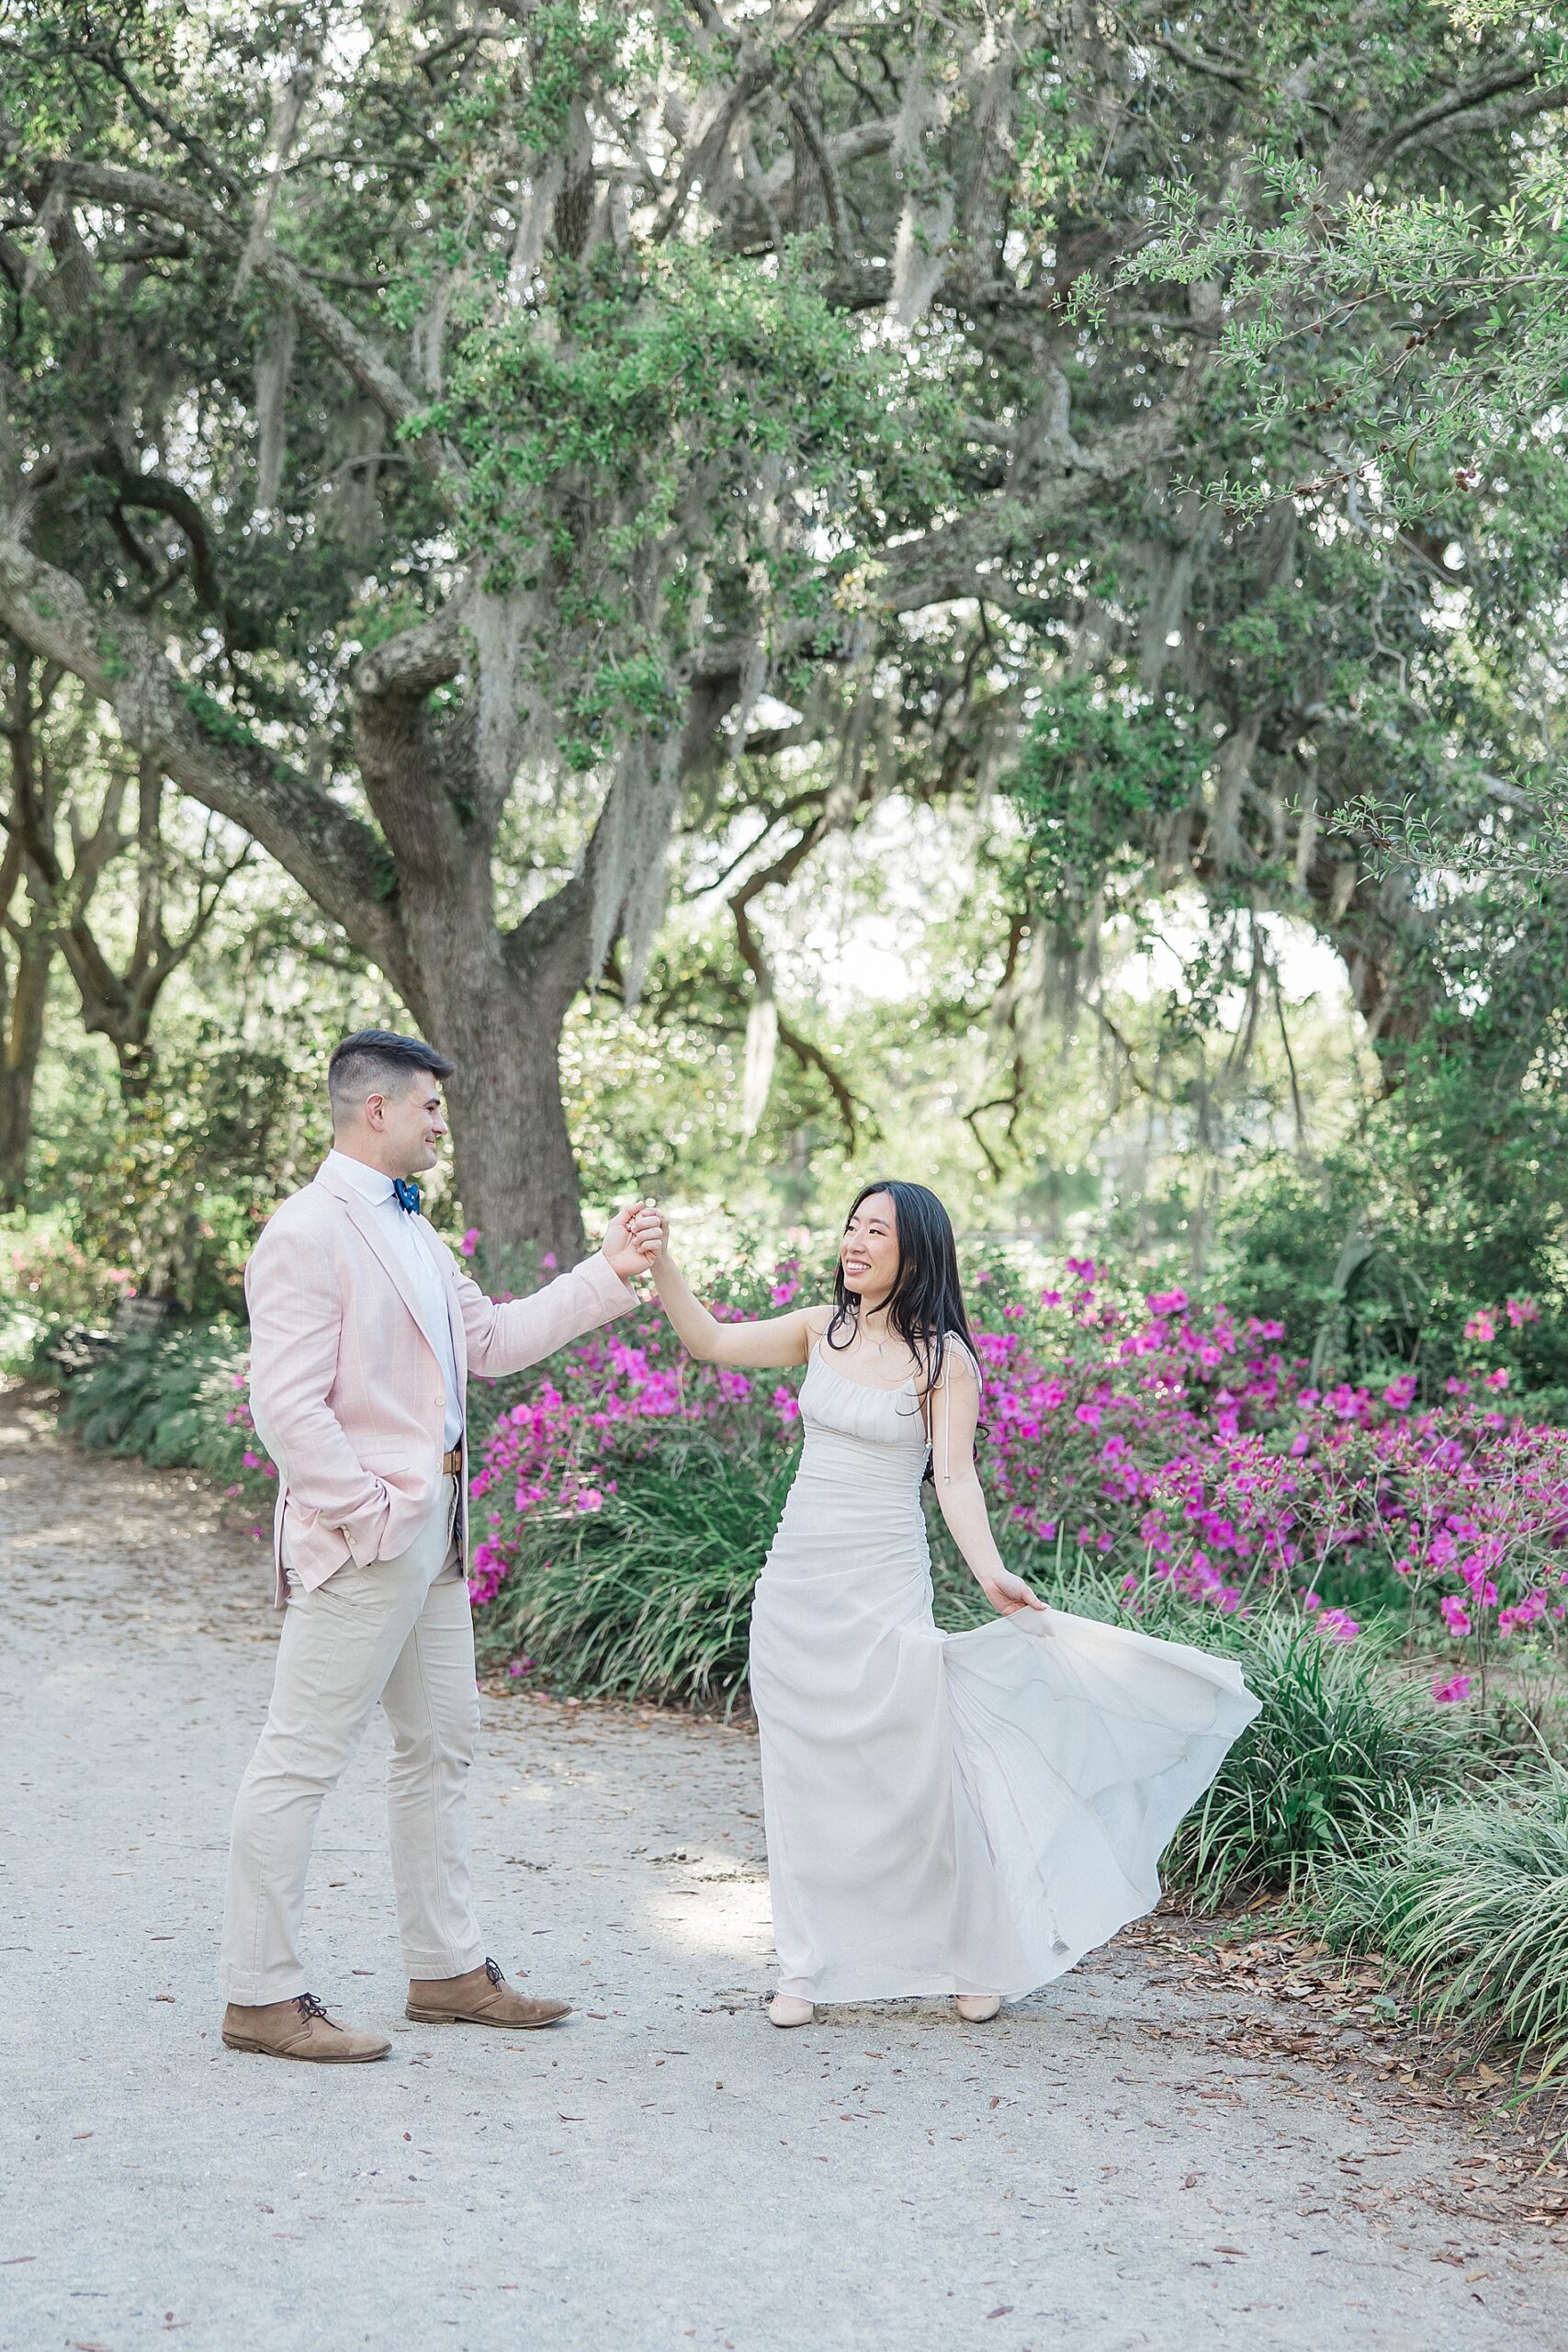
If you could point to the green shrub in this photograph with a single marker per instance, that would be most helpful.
(1471, 1898)
(174, 1397)
(649, 1595)
(22, 1337)
(1452, 1194)
(190, 1167)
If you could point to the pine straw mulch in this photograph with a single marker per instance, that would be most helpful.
(1290, 1996)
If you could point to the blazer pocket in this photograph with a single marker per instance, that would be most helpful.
(382, 1459)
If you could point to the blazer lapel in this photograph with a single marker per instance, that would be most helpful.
(365, 1222)
(449, 1293)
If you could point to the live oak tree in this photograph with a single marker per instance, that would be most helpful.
(1353, 599)
(435, 432)
(486, 499)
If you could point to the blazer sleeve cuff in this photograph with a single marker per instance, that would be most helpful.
(364, 1534)
(613, 1296)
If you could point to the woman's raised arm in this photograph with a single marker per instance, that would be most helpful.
(774, 1340)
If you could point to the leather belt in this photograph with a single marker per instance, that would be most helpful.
(452, 1463)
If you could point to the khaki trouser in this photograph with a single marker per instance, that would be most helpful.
(400, 1631)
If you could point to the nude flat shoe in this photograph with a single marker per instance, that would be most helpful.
(787, 2009)
(977, 2008)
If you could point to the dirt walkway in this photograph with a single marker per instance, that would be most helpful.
(1103, 2169)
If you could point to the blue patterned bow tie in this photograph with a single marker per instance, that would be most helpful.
(405, 1192)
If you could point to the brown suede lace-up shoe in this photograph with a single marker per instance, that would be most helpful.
(482, 1996)
(300, 2028)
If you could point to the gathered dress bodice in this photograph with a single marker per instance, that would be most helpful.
(872, 1437)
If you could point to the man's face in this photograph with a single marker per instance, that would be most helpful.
(410, 1126)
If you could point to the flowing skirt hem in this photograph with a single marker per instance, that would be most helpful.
(1080, 1747)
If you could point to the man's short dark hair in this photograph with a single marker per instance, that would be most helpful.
(378, 1061)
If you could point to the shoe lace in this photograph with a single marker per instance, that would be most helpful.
(308, 2008)
(493, 1973)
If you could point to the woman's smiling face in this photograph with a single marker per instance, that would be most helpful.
(868, 1254)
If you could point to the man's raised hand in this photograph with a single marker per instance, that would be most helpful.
(634, 1237)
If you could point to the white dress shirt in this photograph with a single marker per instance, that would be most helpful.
(405, 1236)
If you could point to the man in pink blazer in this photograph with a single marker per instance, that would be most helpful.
(364, 1329)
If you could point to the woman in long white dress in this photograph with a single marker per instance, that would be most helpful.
(959, 1814)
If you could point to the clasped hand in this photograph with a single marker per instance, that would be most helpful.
(634, 1237)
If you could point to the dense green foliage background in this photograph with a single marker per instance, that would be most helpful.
(964, 587)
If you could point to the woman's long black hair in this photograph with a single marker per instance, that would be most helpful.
(925, 1306)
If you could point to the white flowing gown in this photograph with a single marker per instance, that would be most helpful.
(951, 1812)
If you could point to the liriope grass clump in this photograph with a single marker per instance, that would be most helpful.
(1468, 1897)
(1344, 1746)
(648, 1594)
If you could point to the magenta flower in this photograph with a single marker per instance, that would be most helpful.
(1448, 1694)
(470, 1241)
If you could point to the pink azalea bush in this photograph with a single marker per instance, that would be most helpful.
(1192, 1449)
(1167, 1443)
(47, 1278)
(603, 1402)
(1161, 1442)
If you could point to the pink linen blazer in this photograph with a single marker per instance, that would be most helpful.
(347, 1392)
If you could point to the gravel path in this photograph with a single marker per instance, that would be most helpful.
(1097, 2171)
